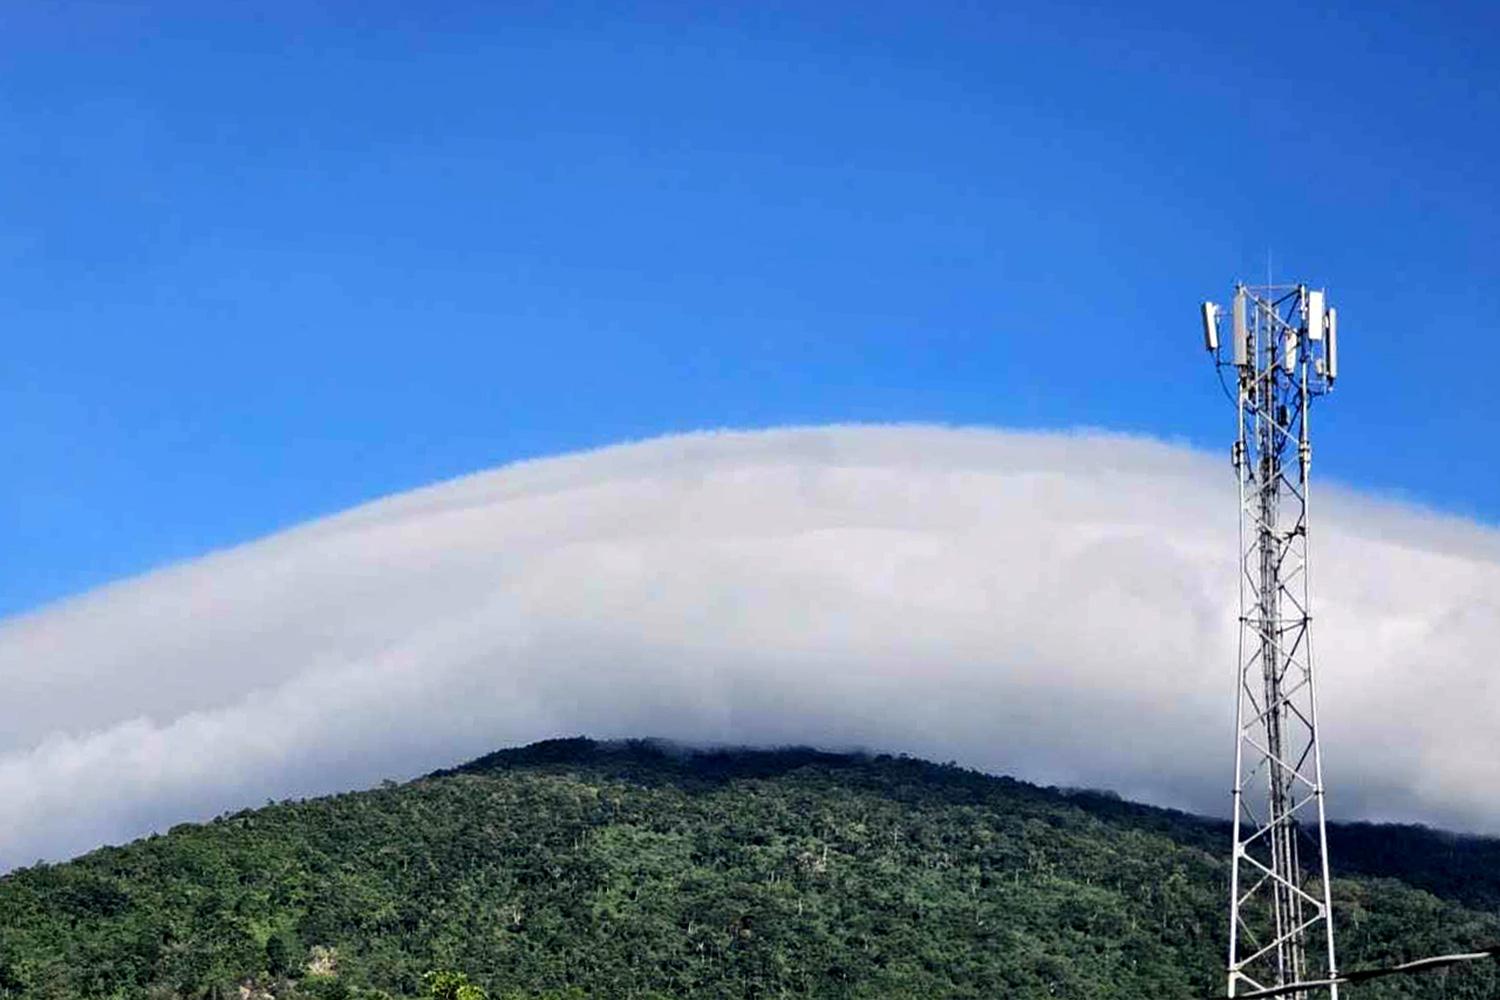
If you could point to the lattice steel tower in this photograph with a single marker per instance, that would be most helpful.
(1282, 353)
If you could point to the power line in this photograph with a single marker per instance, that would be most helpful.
(1418, 965)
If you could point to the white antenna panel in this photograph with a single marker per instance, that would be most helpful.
(1333, 344)
(1210, 326)
(1289, 350)
(1315, 316)
(1241, 330)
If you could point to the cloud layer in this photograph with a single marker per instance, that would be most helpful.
(1056, 606)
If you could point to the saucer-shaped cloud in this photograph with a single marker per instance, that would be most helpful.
(1060, 607)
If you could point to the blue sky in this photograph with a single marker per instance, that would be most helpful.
(260, 262)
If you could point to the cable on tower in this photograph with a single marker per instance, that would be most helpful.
(1363, 975)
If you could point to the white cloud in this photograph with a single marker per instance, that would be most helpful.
(1055, 606)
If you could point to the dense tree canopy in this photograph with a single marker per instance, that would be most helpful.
(572, 868)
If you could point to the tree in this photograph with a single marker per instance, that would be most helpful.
(278, 955)
(452, 986)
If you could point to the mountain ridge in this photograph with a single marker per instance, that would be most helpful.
(1440, 861)
(641, 868)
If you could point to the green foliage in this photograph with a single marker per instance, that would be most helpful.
(278, 955)
(452, 986)
(576, 869)
(323, 987)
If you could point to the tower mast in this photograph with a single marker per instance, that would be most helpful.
(1282, 353)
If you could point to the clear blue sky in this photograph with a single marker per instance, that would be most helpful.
(260, 262)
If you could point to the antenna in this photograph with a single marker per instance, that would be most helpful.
(1241, 331)
(1283, 355)
(1210, 326)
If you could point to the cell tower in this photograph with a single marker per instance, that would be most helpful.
(1282, 353)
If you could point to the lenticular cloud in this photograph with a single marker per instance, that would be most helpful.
(1056, 606)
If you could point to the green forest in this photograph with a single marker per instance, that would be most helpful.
(572, 868)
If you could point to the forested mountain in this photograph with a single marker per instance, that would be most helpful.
(575, 868)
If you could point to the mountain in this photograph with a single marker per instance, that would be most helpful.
(639, 869)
